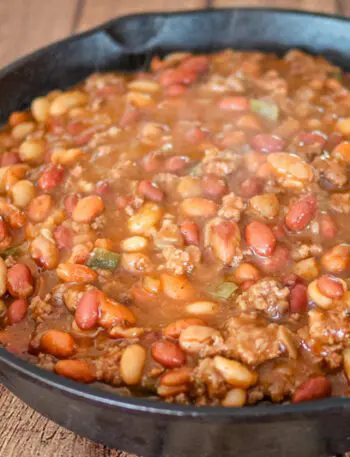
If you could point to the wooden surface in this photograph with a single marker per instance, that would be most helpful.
(26, 25)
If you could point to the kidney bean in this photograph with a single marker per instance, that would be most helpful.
(78, 370)
(301, 213)
(175, 90)
(64, 237)
(4, 232)
(149, 190)
(102, 188)
(313, 389)
(86, 314)
(277, 262)
(213, 186)
(198, 64)
(152, 162)
(309, 138)
(191, 232)
(169, 354)
(260, 238)
(172, 76)
(330, 287)
(234, 103)
(264, 142)
(298, 299)
(328, 228)
(10, 158)
(51, 177)
(17, 311)
(176, 164)
(250, 187)
(70, 202)
(20, 280)
(332, 141)
(57, 343)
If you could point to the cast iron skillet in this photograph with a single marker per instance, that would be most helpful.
(145, 427)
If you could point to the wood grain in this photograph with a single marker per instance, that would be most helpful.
(94, 12)
(324, 6)
(26, 25)
(344, 7)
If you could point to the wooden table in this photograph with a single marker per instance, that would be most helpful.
(26, 25)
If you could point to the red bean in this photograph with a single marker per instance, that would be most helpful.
(168, 354)
(263, 142)
(278, 261)
(4, 232)
(313, 389)
(64, 237)
(175, 90)
(176, 164)
(51, 177)
(309, 138)
(289, 280)
(191, 232)
(172, 76)
(234, 103)
(301, 213)
(260, 238)
(149, 190)
(250, 187)
(17, 311)
(20, 280)
(152, 162)
(86, 315)
(70, 202)
(198, 64)
(328, 228)
(10, 158)
(298, 299)
(213, 186)
(102, 188)
(330, 287)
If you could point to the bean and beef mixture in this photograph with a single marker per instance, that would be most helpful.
(183, 233)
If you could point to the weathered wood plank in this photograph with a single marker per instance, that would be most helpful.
(26, 25)
(324, 6)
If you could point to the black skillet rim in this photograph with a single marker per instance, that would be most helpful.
(142, 405)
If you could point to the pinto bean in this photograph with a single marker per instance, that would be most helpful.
(150, 191)
(176, 164)
(9, 158)
(235, 373)
(198, 207)
(86, 314)
(70, 272)
(250, 187)
(330, 287)
(198, 64)
(51, 178)
(191, 232)
(57, 343)
(195, 338)
(234, 103)
(88, 208)
(177, 287)
(17, 311)
(44, 251)
(264, 142)
(113, 313)
(265, 205)
(313, 389)
(70, 202)
(298, 299)
(225, 240)
(132, 364)
(328, 228)
(4, 231)
(301, 213)
(152, 162)
(172, 76)
(168, 354)
(260, 238)
(145, 218)
(174, 329)
(246, 272)
(337, 259)
(213, 186)
(40, 207)
(17, 117)
(78, 370)
(277, 262)
(176, 377)
(64, 237)
(20, 281)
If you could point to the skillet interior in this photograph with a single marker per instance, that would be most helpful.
(142, 426)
